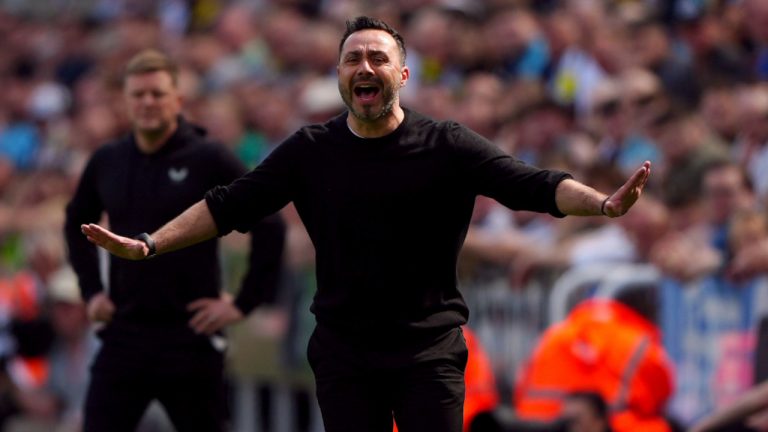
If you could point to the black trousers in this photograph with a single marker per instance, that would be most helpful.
(189, 385)
(361, 387)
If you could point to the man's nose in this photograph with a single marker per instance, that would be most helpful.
(147, 99)
(364, 68)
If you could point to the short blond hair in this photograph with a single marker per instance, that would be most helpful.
(151, 60)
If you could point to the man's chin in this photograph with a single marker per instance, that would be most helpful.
(369, 113)
(149, 128)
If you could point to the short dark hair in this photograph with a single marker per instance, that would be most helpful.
(368, 23)
(151, 60)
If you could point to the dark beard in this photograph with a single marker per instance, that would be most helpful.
(388, 95)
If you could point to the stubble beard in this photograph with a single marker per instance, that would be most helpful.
(388, 96)
(154, 132)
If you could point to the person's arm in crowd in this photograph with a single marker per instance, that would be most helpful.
(193, 226)
(750, 261)
(750, 403)
(578, 199)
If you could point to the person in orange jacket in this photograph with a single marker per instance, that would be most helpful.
(481, 394)
(605, 347)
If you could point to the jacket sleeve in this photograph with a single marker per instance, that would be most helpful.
(261, 283)
(265, 263)
(85, 207)
(261, 192)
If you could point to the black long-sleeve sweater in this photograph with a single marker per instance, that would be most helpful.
(387, 215)
(141, 192)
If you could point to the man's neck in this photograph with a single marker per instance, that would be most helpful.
(377, 128)
(149, 143)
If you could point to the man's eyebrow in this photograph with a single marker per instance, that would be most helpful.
(359, 52)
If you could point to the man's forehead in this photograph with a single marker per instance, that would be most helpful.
(370, 39)
(152, 77)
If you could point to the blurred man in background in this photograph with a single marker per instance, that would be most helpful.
(163, 317)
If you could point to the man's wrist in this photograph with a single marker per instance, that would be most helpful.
(147, 240)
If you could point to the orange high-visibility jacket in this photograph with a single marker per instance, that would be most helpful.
(481, 393)
(606, 347)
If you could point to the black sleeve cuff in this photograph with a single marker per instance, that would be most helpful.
(559, 177)
(213, 199)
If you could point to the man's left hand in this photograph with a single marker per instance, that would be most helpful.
(625, 197)
(211, 314)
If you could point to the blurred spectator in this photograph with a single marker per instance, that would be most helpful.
(575, 72)
(57, 404)
(702, 248)
(756, 19)
(586, 412)
(720, 110)
(480, 95)
(606, 347)
(622, 145)
(716, 54)
(751, 146)
(428, 33)
(537, 130)
(688, 148)
(651, 48)
(19, 136)
(520, 50)
(710, 324)
(747, 414)
(643, 98)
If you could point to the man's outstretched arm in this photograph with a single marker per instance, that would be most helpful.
(574, 198)
(193, 226)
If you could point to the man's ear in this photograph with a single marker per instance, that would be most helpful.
(404, 75)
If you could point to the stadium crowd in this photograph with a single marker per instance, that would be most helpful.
(592, 87)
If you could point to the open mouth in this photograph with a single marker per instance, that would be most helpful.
(366, 92)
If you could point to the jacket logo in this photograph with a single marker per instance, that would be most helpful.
(178, 175)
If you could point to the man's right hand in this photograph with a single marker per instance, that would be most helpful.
(100, 308)
(123, 247)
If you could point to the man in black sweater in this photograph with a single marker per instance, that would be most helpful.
(386, 195)
(161, 339)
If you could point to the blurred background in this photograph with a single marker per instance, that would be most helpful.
(593, 87)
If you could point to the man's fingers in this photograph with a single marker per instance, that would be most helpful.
(123, 247)
(646, 176)
(212, 314)
(640, 176)
(100, 308)
(204, 322)
(624, 198)
(199, 304)
(199, 320)
(206, 319)
(95, 233)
